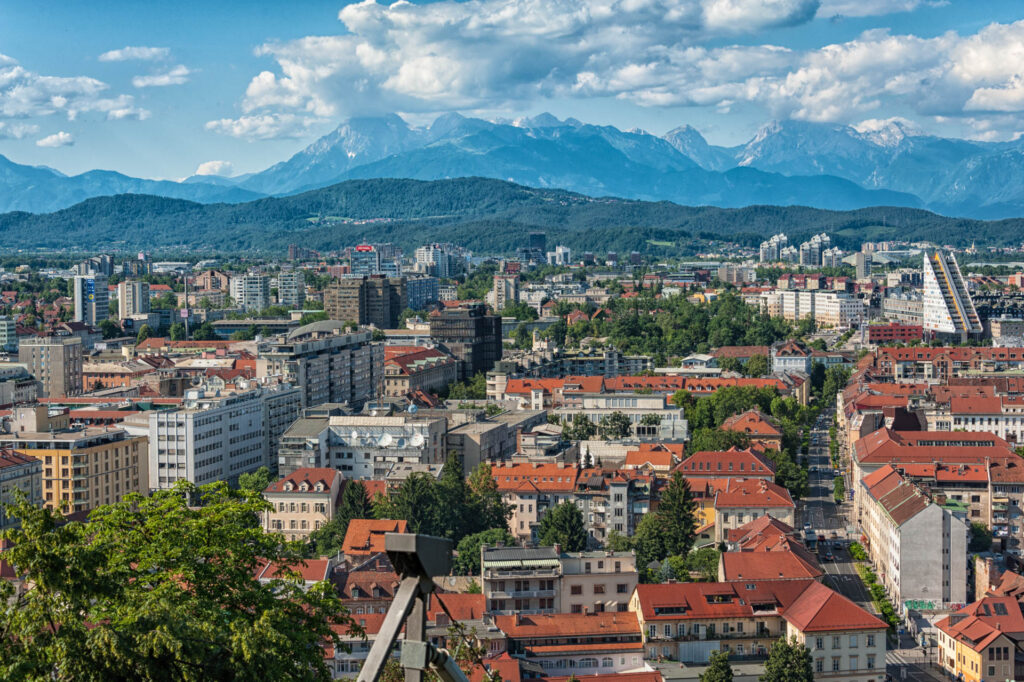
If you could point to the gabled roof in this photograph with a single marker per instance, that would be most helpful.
(680, 601)
(889, 446)
(547, 625)
(754, 492)
(819, 609)
(361, 584)
(768, 565)
(366, 536)
(731, 462)
(309, 570)
(309, 476)
(981, 623)
(753, 422)
(542, 477)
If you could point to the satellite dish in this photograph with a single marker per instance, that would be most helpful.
(354, 434)
(401, 442)
(412, 409)
(417, 440)
(385, 440)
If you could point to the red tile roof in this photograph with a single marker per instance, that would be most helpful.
(549, 625)
(731, 462)
(752, 422)
(543, 477)
(753, 493)
(769, 565)
(366, 536)
(310, 570)
(681, 601)
(888, 446)
(310, 476)
(819, 609)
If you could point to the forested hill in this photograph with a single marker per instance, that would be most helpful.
(487, 216)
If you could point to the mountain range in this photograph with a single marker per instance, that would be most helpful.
(786, 163)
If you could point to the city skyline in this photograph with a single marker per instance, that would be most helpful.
(235, 88)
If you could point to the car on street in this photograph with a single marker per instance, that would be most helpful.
(808, 526)
(829, 556)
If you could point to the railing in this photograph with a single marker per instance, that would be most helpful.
(520, 594)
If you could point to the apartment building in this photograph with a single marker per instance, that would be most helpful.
(918, 547)
(362, 446)
(302, 502)
(251, 291)
(947, 309)
(291, 289)
(421, 291)
(979, 641)
(132, 298)
(846, 642)
(583, 644)
(328, 363)
(217, 437)
(19, 472)
(55, 362)
(92, 299)
(738, 501)
(745, 463)
(408, 369)
(83, 468)
(639, 408)
(547, 580)
(369, 300)
(918, 364)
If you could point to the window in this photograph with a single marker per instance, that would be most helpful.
(652, 631)
(819, 643)
(835, 664)
(598, 589)
(668, 630)
(871, 662)
(853, 662)
(836, 644)
(607, 662)
(819, 665)
(871, 640)
(991, 670)
(853, 641)
(578, 608)
(576, 589)
(621, 588)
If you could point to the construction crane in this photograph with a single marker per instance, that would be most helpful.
(417, 559)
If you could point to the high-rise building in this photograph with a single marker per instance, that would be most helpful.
(132, 298)
(373, 300)
(471, 335)
(137, 267)
(421, 291)
(862, 263)
(18, 472)
(770, 250)
(92, 299)
(251, 291)
(328, 363)
(948, 310)
(505, 290)
(562, 255)
(8, 335)
(365, 260)
(291, 289)
(811, 250)
(440, 260)
(55, 362)
(96, 265)
(832, 258)
(539, 241)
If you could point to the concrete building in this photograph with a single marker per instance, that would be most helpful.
(361, 446)
(918, 548)
(132, 298)
(8, 334)
(547, 580)
(55, 362)
(92, 299)
(327, 363)
(421, 292)
(837, 310)
(408, 369)
(302, 502)
(905, 308)
(251, 292)
(365, 260)
(471, 335)
(370, 300)
(562, 255)
(19, 472)
(216, 438)
(17, 386)
(291, 289)
(83, 468)
(862, 264)
(948, 310)
(505, 290)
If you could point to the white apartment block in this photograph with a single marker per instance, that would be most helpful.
(251, 292)
(216, 438)
(291, 289)
(132, 299)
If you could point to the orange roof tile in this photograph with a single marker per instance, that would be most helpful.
(366, 536)
(819, 609)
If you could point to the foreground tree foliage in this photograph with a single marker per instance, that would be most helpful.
(563, 525)
(788, 661)
(161, 588)
(718, 669)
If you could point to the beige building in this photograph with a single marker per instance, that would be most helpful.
(19, 472)
(302, 502)
(55, 362)
(132, 298)
(83, 468)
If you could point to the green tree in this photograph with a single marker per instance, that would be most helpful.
(109, 329)
(757, 366)
(581, 428)
(670, 530)
(563, 525)
(788, 661)
(256, 481)
(161, 588)
(718, 669)
(490, 510)
(716, 440)
(617, 542)
(355, 504)
(981, 538)
(523, 337)
(144, 333)
(468, 560)
(414, 501)
(839, 490)
(247, 334)
(474, 389)
(615, 426)
(205, 332)
(177, 331)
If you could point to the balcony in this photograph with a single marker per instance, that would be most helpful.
(521, 594)
(505, 574)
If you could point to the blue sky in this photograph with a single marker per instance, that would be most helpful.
(161, 89)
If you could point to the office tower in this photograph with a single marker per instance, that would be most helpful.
(421, 291)
(471, 335)
(92, 299)
(132, 299)
(539, 241)
(55, 362)
(375, 300)
(365, 260)
(862, 263)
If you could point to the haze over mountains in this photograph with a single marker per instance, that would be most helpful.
(786, 163)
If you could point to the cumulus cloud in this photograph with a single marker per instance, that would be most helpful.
(223, 168)
(265, 126)
(495, 54)
(138, 52)
(25, 94)
(16, 131)
(175, 76)
(61, 139)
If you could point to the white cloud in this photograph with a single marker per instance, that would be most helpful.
(140, 53)
(16, 131)
(223, 168)
(265, 126)
(25, 94)
(494, 54)
(61, 139)
(175, 76)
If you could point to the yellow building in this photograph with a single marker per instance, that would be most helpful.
(83, 468)
(973, 642)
